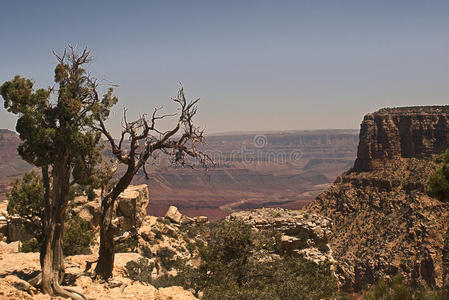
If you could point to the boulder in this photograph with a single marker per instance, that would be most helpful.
(12, 247)
(201, 220)
(146, 233)
(187, 220)
(132, 206)
(16, 231)
(173, 214)
(3, 229)
(90, 212)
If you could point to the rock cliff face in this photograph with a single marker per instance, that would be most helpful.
(383, 220)
(406, 132)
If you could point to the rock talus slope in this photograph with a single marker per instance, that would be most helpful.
(383, 220)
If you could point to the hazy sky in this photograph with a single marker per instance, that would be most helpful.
(256, 65)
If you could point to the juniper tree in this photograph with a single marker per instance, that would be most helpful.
(54, 128)
(60, 129)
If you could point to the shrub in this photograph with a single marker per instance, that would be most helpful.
(30, 246)
(438, 183)
(77, 237)
(398, 289)
(165, 256)
(157, 234)
(229, 270)
(26, 199)
(140, 270)
(131, 244)
(146, 251)
(191, 247)
(323, 248)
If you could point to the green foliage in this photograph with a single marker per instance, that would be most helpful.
(78, 237)
(398, 289)
(229, 269)
(157, 234)
(129, 245)
(26, 199)
(30, 246)
(230, 242)
(165, 256)
(323, 248)
(146, 251)
(191, 247)
(192, 231)
(439, 181)
(140, 270)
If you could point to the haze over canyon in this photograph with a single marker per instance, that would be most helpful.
(252, 170)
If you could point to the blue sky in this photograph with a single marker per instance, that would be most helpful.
(256, 65)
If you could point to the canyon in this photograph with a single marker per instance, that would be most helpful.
(252, 170)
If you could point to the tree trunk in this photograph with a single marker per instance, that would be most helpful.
(105, 263)
(52, 259)
(106, 253)
(53, 264)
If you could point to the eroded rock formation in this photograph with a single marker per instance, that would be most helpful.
(406, 132)
(302, 233)
(384, 221)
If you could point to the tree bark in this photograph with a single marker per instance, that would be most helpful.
(53, 264)
(106, 253)
(52, 259)
(105, 263)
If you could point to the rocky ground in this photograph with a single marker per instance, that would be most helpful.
(302, 233)
(153, 234)
(16, 268)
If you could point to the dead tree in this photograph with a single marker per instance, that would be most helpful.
(140, 141)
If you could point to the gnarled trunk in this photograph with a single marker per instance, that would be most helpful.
(52, 259)
(106, 253)
(105, 263)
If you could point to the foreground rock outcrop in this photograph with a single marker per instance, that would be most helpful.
(302, 233)
(383, 220)
(129, 208)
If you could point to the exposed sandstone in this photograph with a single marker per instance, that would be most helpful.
(15, 268)
(130, 208)
(174, 214)
(302, 233)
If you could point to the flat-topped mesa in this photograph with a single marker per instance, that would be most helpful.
(403, 132)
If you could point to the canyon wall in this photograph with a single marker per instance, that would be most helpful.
(384, 221)
(405, 132)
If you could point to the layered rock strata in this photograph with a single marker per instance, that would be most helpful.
(384, 222)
